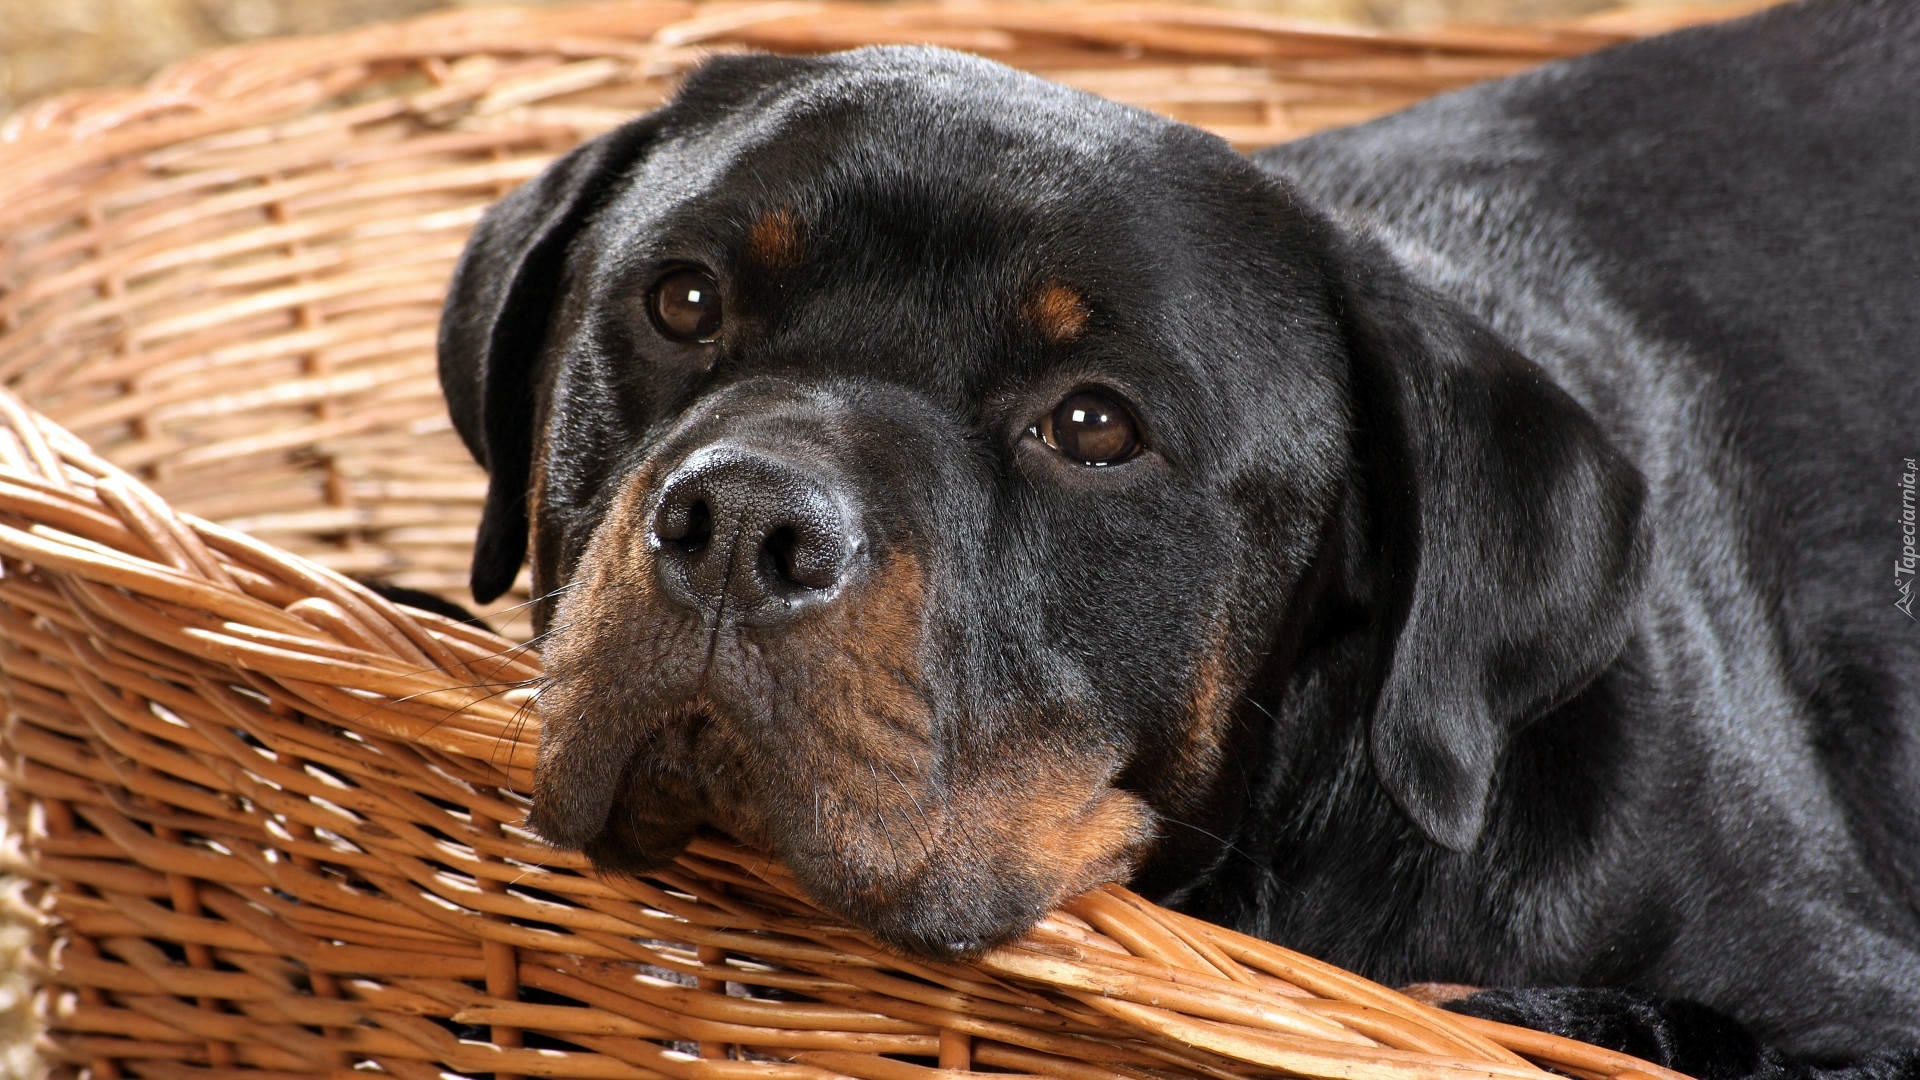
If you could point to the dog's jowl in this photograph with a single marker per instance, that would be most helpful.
(1455, 546)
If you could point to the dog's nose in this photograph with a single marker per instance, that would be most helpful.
(750, 537)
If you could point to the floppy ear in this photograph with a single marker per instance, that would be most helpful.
(495, 321)
(1513, 543)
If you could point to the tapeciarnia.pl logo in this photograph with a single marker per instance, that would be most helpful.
(1904, 566)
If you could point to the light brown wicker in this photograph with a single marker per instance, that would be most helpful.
(272, 818)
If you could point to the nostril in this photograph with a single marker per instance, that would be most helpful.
(805, 559)
(699, 528)
(685, 524)
(776, 554)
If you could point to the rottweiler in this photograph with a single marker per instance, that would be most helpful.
(1470, 547)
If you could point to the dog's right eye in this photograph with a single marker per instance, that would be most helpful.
(685, 305)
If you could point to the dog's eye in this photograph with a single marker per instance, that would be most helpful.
(685, 305)
(1091, 427)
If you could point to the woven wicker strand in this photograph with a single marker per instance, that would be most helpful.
(272, 820)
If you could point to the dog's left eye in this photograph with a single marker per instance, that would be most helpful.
(685, 305)
(1092, 427)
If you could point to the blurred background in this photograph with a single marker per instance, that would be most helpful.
(51, 45)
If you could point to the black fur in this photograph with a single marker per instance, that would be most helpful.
(1522, 471)
(495, 324)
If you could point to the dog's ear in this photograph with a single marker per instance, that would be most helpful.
(495, 321)
(506, 285)
(1510, 542)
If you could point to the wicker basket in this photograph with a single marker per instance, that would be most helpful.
(271, 819)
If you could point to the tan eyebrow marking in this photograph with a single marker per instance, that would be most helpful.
(1059, 312)
(776, 240)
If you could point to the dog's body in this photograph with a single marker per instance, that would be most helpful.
(1712, 241)
(1466, 552)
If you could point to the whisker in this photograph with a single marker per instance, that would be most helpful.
(923, 834)
(514, 611)
(511, 738)
(448, 714)
(893, 845)
(506, 653)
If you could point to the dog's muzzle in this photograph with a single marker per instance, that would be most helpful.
(754, 639)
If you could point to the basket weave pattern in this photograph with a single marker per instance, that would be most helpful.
(273, 819)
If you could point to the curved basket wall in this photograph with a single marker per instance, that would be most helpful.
(271, 818)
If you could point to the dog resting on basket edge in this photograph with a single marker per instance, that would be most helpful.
(1456, 547)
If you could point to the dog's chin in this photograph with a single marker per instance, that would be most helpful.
(628, 844)
(623, 838)
(639, 847)
(952, 903)
(977, 886)
(945, 912)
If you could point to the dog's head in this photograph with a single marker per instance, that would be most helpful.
(924, 464)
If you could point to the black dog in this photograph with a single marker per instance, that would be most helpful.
(1458, 547)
